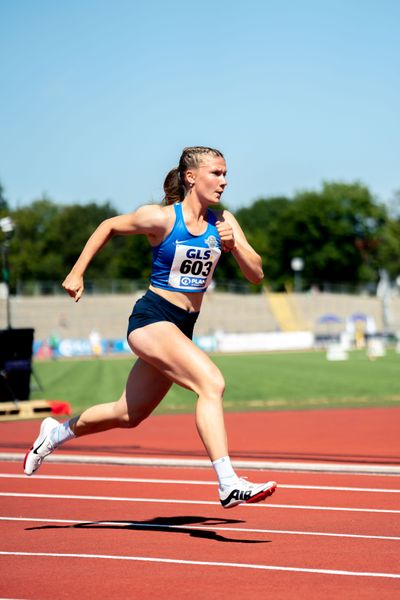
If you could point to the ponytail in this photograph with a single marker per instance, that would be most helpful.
(173, 187)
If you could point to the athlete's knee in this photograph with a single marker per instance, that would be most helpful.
(213, 387)
(129, 420)
(131, 417)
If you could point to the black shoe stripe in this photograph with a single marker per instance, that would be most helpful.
(37, 448)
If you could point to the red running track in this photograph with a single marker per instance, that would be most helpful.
(84, 531)
(362, 435)
(161, 532)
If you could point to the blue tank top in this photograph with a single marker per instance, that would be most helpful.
(184, 262)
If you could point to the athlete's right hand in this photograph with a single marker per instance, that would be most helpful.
(73, 285)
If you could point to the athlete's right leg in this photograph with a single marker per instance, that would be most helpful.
(144, 390)
(164, 346)
(180, 360)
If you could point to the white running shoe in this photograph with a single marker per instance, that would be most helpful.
(41, 448)
(245, 492)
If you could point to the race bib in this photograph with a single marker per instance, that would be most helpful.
(193, 267)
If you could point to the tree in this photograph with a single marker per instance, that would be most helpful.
(133, 260)
(70, 230)
(336, 232)
(3, 201)
(49, 238)
(30, 257)
(262, 224)
(389, 243)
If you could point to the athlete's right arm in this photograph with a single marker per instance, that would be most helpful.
(149, 220)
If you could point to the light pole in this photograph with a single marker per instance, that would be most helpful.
(7, 227)
(297, 264)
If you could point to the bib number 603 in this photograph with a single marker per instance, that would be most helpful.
(196, 267)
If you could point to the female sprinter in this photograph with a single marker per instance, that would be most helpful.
(186, 238)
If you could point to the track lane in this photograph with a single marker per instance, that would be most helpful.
(283, 477)
(320, 521)
(283, 496)
(185, 543)
(216, 525)
(379, 523)
(74, 577)
(310, 435)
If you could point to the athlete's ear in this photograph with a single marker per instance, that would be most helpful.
(190, 177)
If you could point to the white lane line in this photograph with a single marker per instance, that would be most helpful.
(210, 527)
(202, 563)
(340, 488)
(296, 467)
(193, 482)
(197, 502)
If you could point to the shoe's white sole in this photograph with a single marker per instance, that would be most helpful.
(262, 495)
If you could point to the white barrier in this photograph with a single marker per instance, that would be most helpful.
(337, 352)
(254, 342)
(376, 348)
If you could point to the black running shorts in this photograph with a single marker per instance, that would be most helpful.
(152, 308)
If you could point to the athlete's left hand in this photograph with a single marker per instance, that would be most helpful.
(226, 235)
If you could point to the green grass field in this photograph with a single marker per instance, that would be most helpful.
(282, 381)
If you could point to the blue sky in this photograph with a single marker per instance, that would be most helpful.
(99, 97)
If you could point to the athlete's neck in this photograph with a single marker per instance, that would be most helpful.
(195, 216)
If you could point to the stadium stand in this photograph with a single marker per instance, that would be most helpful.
(285, 309)
(226, 312)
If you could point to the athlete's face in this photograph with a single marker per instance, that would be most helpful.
(209, 179)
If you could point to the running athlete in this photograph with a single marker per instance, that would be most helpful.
(187, 238)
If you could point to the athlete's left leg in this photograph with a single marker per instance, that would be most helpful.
(144, 390)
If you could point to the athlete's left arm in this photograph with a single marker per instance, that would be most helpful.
(234, 240)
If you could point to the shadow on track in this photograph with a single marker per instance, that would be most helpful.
(162, 524)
